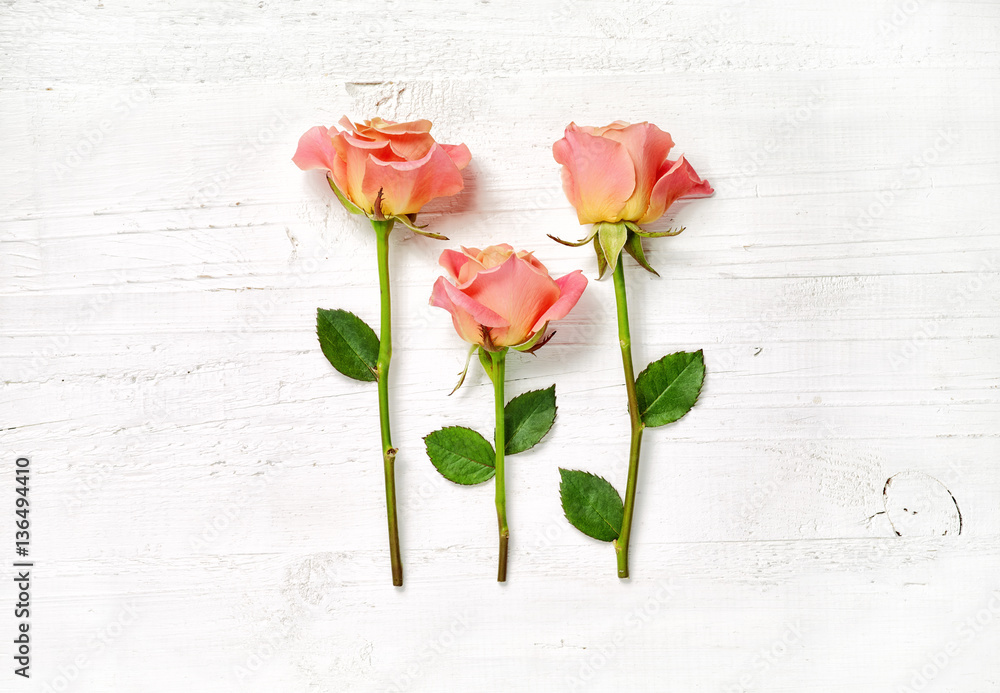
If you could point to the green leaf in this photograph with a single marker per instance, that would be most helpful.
(668, 388)
(527, 418)
(612, 238)
(348, 343)
(461, 455)
(591, 504)
(633, 246)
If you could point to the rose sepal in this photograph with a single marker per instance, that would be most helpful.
(409, 221)
(348, 205)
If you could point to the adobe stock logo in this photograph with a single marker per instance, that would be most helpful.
(969, 630)
(911, 174)
(767, 657)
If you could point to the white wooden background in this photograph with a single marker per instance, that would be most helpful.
(207, 500)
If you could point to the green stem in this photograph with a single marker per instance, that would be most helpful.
(500, 440)
(625, 341)
(382, 230)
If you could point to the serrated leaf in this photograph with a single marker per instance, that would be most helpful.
(668, 388)
(591, 504)
(633, 246)
(348, 343)
(461, 455)
(527, 418)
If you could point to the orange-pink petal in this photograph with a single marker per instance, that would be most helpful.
(598, 174)
(356, 154)
(467, 313)
(459, 153)
(408, 141)
(348, 124)
(515, 291)
(410, 146)
(466, 326)
(315, 150)
(453, 261)
(678, 179)
(648, 147)
(391, 127)
(570, 289)
(492, 255)
(533, 262)
(409, 185)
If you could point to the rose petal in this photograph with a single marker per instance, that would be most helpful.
(390, 127)
(494, 255)
(677, 180)
(411, 146)
(571, 288)
(468, 315)
(408, 141)
(380, 149)
(459, 153)
(484, 259)
(483, 314)
(453, 261)
(315, 150)
(515, 291)
(534, 262)
(409, 185)
(465, 324)
(617, 125)
(598, 175)
(648, 147)
(350, 176)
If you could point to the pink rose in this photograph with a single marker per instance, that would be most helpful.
(506, 295)
(401, 160)
(621, 172)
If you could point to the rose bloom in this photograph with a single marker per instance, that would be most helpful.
(621, 172)
(400, 159)
(511, 294)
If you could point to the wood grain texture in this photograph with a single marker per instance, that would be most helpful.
(207, 497)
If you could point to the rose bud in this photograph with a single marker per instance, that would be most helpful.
(618, 177)
(500, 298)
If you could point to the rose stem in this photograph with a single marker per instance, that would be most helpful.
(382, 229)
(625, 341)
(500, 440)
